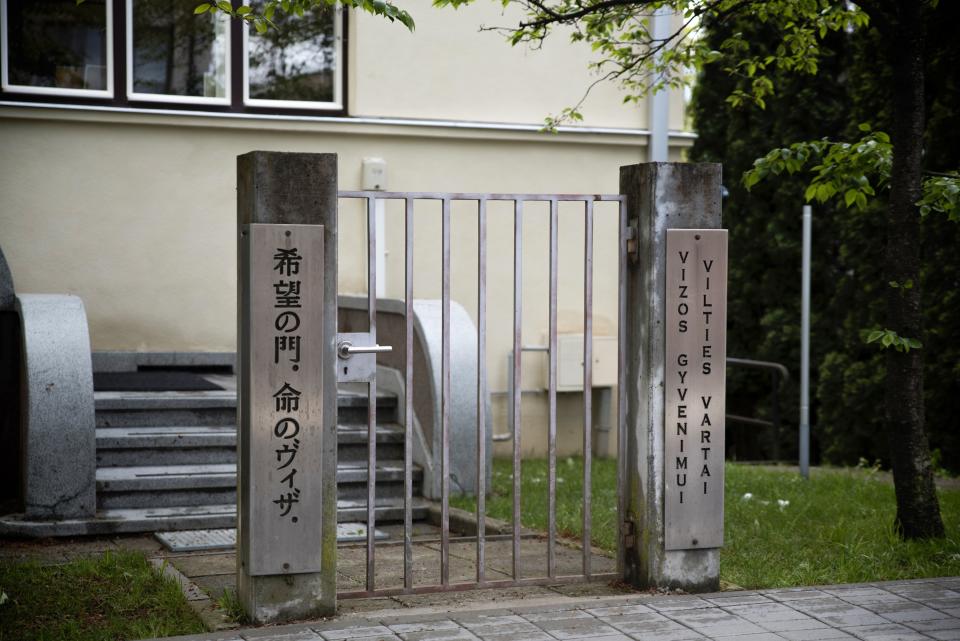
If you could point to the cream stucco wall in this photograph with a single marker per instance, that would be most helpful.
(449, 69)
(135, 212)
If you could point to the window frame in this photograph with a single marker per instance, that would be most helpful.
(7, 87)
(173, 98)
(338, 90)
(119, 72)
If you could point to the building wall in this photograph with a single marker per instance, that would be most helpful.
(136, 212)
(448, 68)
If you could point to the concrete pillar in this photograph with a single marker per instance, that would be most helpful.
(660, 196)
(295, 189)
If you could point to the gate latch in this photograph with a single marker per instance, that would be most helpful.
(357, 357)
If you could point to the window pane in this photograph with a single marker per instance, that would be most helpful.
(176, 52)
(296, 60)
(57, 43)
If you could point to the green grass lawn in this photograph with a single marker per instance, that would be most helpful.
(113, 597)
(835, 528)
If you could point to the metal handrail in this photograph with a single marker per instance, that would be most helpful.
(778, 373)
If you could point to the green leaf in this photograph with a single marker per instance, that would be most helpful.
(850, 197)
(202, 8)
(875, 335)
(887, 339)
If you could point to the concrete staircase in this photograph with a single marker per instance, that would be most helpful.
(167, 460)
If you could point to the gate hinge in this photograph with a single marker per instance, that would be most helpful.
(631, 238)
(629, 534)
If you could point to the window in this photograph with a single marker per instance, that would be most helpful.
(294, 64)
(174, 55)
(57, 47)
(159, 53)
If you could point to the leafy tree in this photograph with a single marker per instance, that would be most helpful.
(630, 54)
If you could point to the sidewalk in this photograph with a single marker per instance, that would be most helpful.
(915, 610)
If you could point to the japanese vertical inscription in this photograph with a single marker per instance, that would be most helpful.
(695, 388)
(285, 396)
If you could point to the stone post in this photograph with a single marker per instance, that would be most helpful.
(662, 196)
(288, 189)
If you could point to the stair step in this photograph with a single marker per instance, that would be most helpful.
(150, 478)
(166, 436)
(192, 517)
(176, 436)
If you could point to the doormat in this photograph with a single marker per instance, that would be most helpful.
(226, 539)
(151, 382)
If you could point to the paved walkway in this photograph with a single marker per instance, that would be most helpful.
(916, 610)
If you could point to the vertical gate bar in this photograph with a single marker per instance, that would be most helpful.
(587, 383)
(445, 405)
(552, 420)
(372, 391)
(621, 392)
(408, 400)
(517, 380)
(481, 385)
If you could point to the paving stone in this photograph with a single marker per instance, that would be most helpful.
(761, 613)
(619, 610)
(355, 632)
(946, 603)
(909, 611)
(678, 603)
(664, 630)
(281, 635)
(729, 630)
(702, 618)
(539, 635)
(795, 594)
(818, 634)
(759, 636)
(883, 597)
(786, 625)
(640, 617)
(453, 634)
(951, 623)
(746, 599)
(944, 635)
(888, 632)
(497, 631)
(556, 615)
(576, 628)
(852, 619)
(423, 626)
(845, 592)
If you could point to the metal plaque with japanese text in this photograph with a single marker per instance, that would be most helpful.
(695, 387)
(282, 400)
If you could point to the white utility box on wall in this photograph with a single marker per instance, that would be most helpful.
(570, 362)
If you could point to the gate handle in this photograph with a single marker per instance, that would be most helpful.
(345, 349)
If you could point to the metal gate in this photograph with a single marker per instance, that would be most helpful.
(354, 343)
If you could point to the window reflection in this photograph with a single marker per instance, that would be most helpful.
(178, 53)
(57, 44)
(296, 61)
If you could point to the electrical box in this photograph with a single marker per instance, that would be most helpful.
(374, 174)
(570, 362)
